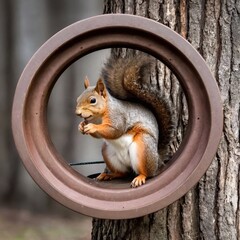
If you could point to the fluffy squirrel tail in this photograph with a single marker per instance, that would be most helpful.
(129, 79)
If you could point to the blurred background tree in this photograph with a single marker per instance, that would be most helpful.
(25, 25)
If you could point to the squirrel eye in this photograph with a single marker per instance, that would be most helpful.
(93, 100)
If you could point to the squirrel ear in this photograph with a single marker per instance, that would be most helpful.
(100, 88)
(86, 82)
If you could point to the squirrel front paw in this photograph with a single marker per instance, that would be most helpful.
(90, 128)
(86, 128)
(81, 127)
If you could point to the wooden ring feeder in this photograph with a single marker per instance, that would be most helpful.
(85, 195)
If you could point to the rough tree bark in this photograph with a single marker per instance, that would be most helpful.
(211, 209)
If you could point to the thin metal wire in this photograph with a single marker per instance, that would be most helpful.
(86, 163)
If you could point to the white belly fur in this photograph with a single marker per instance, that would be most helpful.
(122, 153)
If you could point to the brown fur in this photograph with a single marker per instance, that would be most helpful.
(129, 79)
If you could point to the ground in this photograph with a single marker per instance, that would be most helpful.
(24, 225)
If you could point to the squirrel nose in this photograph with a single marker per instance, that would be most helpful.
(78, 113)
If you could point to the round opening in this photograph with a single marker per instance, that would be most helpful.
(82, 194)
(83, 152)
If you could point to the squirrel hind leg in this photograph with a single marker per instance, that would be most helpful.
(144, 158)
(116, 168)
(109, 176)
(138, 181)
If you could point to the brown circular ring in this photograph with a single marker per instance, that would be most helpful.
(49, 169)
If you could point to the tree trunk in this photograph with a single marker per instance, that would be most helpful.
(211, 209)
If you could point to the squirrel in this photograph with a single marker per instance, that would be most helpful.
(133, 119)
